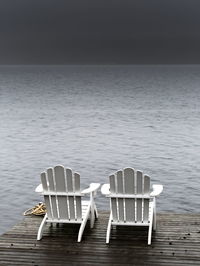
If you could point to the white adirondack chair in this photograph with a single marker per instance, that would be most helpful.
(131, 201)
(63, 199)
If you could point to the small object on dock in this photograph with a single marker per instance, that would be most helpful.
(39, 209)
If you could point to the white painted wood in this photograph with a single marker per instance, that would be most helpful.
(78, 211)
(114, 195)
(53, 199)
(62, 195)
(56, 193)
(146, 210)
(154, 213)
(130, 224)
(139, 202)
(129, 180)
(151, 211)
(146, 185)
(95, 211)
(129, 189)
(131, 202)
(105, 189)
(120, 201)
(139, 182)
(92, 188)
(157, 190)
(130, 210)
(112, 184)
(46, 198)
(113, 200)
(83, 224)
(70, 188)
(139, 210)
(41, 228)
(60, 185)
(108, 229)
(39, 189)
(92, 215)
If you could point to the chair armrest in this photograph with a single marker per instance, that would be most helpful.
(105, 189)
(157, 190)
(92, 188)
(39, 188)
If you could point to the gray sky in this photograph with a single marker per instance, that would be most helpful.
(99, 31)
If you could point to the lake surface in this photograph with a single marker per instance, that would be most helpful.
(96, 120)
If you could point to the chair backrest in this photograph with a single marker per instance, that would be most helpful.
(130, 196)
(62, 196)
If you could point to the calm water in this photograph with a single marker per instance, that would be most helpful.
(96, 120)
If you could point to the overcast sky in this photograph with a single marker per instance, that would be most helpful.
(99, 31)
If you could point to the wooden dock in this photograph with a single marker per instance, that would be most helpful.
(176, 242)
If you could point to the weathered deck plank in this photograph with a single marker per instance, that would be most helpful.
(176, 242)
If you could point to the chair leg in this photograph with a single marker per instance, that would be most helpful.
(82, 227)
(92, 215)
(151, 224)
(92, 219)
(154, 220)
(149, 234)
(95, 211)
(41, 228)
(154, 215)
(108, 230)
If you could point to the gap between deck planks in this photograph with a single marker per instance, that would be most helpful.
(175, 242)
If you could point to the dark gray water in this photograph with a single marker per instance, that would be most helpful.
(96, 120)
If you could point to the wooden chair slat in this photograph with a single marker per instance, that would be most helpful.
(50, 176)
(114, 209)
(71, 208)
(76, 182)
(78, 212)
(120, 189)
(146, 184)
(44, 181)
(46, 198)
(62, 207)
(146, 210)
(69, 180)
(129, 180)
(52, 199)
(130, 210)
(78, 208)
(113, 202)
(70, 188)
(59, 173)
(139, 181)
(112, 184)
(139, 210)
(60, 186)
